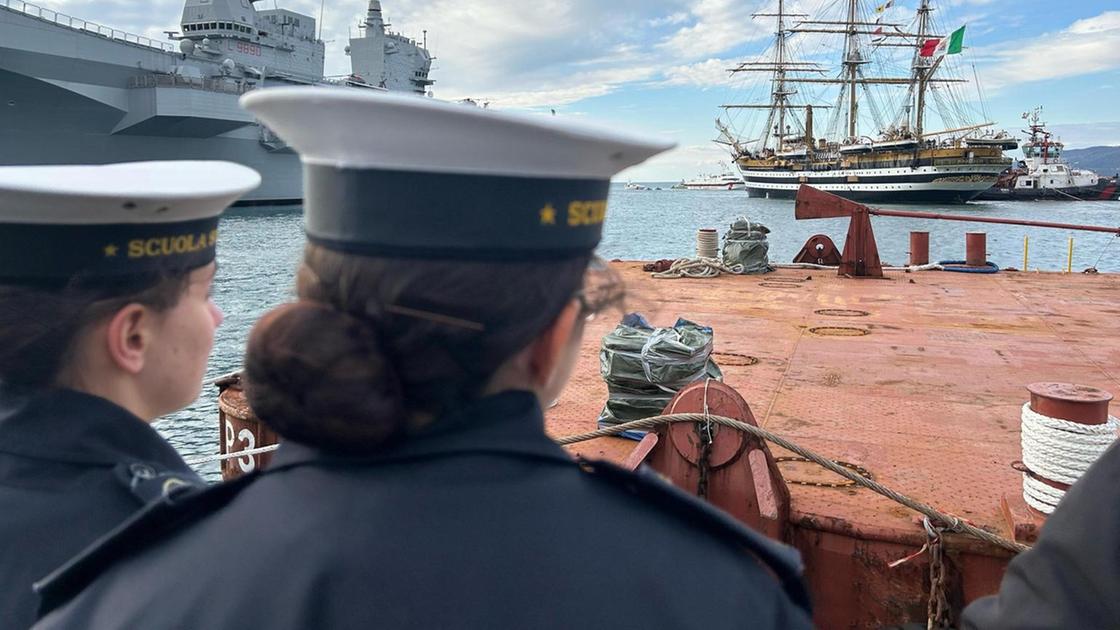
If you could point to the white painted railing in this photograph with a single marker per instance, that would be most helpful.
(86, 26)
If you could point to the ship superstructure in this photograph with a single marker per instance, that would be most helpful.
(876, 144)
(76, 92)
(1044, 174)
(721, 181)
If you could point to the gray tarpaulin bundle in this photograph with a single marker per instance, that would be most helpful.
(644, 367)
(745, 244)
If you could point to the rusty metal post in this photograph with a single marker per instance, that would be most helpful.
(976, 249)
(919, 248)
(240, 430)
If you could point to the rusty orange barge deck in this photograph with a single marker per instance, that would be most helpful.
(919, 378)
(916, 378)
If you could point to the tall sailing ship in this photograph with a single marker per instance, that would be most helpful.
(878, 145)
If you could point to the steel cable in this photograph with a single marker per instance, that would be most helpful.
(952, 523)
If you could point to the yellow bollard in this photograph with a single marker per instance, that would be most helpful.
(1069, 260)
(1026, 251)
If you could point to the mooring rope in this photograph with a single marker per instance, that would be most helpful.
(951, 522)
(1060, 451)
(206, 459)
(1104, 250)
(698, 268)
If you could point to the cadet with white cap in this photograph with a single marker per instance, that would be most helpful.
(105, 324)
(443, 295)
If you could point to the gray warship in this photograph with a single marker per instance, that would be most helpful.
(76, 92)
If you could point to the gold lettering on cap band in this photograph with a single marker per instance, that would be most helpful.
(160, 246)
(587, 212)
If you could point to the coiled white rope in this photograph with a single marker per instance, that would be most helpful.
(1060, 451)
(698, 268)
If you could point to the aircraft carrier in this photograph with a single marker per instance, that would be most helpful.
(76, 92)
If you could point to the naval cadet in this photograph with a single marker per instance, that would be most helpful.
(1071, 577)
(105, 324)
(442, 298)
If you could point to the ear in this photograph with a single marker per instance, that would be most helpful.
(548, 349)
(128, 337)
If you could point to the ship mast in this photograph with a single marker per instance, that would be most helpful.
(851, 65)
(923, 69)
(785, 73)
(780, 67)
(851, 78)
(780, 74)
(374, 17)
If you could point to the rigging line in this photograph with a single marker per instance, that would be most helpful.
(876, 115)
(947, 114)
(1107, 245)
(966, 103)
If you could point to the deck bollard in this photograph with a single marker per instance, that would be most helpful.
(240, 430)
(976, 249)
(919, 248)
(1068, 402)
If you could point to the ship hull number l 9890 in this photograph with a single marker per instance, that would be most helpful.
(246, 48)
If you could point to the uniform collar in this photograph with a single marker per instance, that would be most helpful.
(68, 426)
(510, 423)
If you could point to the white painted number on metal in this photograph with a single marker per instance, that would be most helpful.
(249, 462)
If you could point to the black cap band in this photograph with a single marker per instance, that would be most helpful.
(33, 252)
(408, 214)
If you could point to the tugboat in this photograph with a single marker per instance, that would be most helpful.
(1044, 173)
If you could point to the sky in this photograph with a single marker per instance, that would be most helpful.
(659, 67)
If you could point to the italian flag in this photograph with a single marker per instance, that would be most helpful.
(951, 45)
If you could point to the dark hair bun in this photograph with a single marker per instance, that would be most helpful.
(320, 376)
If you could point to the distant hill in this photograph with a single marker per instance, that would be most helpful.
(1102, 160)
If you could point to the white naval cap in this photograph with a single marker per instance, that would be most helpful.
(58, 222)
(403, 175)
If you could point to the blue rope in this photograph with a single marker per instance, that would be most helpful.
(989, 267)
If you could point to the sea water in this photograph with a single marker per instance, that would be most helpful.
(260, 249)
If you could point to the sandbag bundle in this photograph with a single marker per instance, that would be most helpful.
(745, 244)
(644, 367)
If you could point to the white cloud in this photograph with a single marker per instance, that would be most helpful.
(669, 20)
(547, 53)
(705, 74)
(718, 26)
(1085, 47)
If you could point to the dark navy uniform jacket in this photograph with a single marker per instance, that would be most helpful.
(72, 467)
(485, 524)
(1071, 578)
